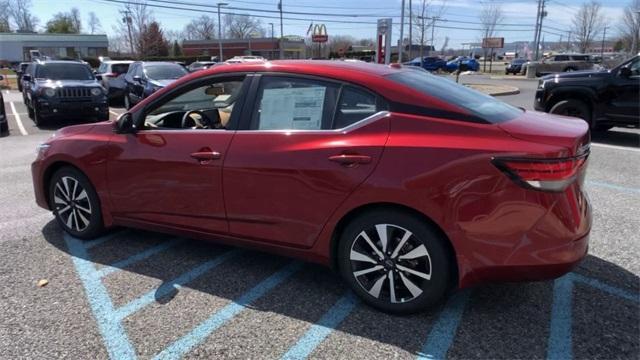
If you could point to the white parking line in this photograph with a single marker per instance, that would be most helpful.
(616, 147)
(18, 120)
(114, 113)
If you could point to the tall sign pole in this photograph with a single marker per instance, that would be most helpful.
(410, 30)
(281, 42)
(220, 32)
(383, 41)
(401, 40)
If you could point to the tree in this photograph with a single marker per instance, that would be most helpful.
(176, 49)
(630, 27)
(76, 19)
(587, 23)
(153, 41)
(94, 23)
(19, 12)
(340, 42)
(423, 19)
(5, 25)
(241, 26)
(490, 17)
(138, 17)
(202, 28)
(62, 23)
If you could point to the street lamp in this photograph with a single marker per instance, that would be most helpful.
(220, 31)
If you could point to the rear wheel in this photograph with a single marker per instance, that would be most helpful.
(574, 108)
(394, 261)
(75, 203)
(127, 101)
(38, 119)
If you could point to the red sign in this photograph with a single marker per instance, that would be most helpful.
(320, 38)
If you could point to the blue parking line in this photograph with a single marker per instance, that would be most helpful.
(560, 343)
(607, 185)
(607, 288)
(444, 330)
(170, 286)
(116, 341)
(320, 330)
(138, 257)
(202, 331)
(101, 240)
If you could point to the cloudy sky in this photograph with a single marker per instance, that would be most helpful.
(354, 17)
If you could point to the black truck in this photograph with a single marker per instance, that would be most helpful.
(63, 89)
(604, 99)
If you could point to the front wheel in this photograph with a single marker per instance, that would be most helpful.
(75, 203)
(127, 101)
(574, 108)
(394, 261)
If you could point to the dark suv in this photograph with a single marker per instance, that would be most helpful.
(604, 99)
(63, 89)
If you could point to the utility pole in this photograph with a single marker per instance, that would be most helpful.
(281, 31)
(400, 46)
(604, 34)
(433, 27)
(127, 19)
(410, 30)
(535, 32)
(569, 41)
(220, 32)
(272, 42)
(543, 14)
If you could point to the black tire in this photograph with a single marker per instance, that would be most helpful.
(4, 128)
(30, 111)
(570, 69)
(422, 238)
(126, 101)
(602, 128)
(574, 108)
(75, 199)
(38, 119)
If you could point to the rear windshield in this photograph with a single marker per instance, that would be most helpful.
(119, 68)
(165, 71)
(64, 72)
(477, 104)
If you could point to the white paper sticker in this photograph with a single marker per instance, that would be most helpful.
(292, 108)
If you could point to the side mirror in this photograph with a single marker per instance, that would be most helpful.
(98, 77)
(137, 79)
(124, 124)
(26, 77)
(625, 72)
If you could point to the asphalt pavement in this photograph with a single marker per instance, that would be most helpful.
(147, 295)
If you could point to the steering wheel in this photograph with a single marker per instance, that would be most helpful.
(191, 123)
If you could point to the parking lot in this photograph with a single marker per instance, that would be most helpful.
(139, 294)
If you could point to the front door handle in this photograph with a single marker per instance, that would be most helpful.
(205, 156)
(350, 159)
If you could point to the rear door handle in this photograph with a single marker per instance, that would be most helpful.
(350, 159)
(205, 156)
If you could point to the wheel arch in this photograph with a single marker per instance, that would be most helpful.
(48, 174)
(571, 94)
(387, 206)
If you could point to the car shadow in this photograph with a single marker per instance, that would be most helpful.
(616, 137)
(500, 321)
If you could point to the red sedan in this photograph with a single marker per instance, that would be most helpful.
(405, 182)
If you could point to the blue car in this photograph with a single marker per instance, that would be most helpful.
(429, 63)
(472, 64)
(146, 77)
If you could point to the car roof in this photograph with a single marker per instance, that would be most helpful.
(118, 62)
(147, 63)
(46, 62)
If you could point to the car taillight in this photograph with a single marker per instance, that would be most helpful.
(543, 174)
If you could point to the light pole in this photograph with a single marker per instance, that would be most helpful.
(272, 42)
(400, 46)
(433, 27)
(281, 31)
(220, 31)
(604, 35)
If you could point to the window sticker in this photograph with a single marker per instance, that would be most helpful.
(292, 108)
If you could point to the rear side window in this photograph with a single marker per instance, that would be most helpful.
(477, 106)
(354, 105)
(285, 103)
(119, 68)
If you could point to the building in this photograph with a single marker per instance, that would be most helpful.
(14, 47)
(269, 48)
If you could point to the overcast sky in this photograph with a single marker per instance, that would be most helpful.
(520, 16)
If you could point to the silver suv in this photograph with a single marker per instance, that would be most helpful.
(561, 63)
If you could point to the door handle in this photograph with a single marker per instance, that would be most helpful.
(350, 159)
(205, 156)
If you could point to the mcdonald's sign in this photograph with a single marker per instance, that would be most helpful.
(319, 33)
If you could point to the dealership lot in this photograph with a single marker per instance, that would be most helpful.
(134, 293)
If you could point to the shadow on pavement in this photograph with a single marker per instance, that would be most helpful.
(616, 137)
(500, 321)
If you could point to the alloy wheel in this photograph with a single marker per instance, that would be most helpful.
(72, 204)
(390, 263)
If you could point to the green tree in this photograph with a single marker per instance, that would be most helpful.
(63, 23)
(176, 50)
(153, 41)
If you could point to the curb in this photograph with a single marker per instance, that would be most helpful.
(503, 89)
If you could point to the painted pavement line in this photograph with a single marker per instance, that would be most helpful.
(615, 147)
(196, 336)
(101, 240)
(444, 330)
(113, 333)
(320, 330)
(168, 287)
(613, 186)
(597, 284)
(119, 265)
(559, 343)
(18, 120)
(114, 113)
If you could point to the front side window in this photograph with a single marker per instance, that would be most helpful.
(64, 72)
(205, 107)
(476, 104)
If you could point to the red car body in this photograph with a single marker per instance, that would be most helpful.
(278, 191)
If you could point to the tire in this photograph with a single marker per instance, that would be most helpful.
(423, 249)
(38, 119)
(569, 69)
(574, 108)
(30, 112)
(602, 128)
(4, 128)
(76, 206)
(127, 101)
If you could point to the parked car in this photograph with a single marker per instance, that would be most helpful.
(54, 89)
(245, 59)
(429, 63)
(19, 71)
(112, 74)
(146, 77)
(200, 65)
(470, 64)
(603, 99)
(317, 159)
(515, 66)
(4, 121)
(561, 63)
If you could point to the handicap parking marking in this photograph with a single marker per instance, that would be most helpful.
(109, 269)
(630, 190)
(89, 244)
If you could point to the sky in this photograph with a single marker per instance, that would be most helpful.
(356, 17)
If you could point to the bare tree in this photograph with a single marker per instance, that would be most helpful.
(241, 26)
(630, 26)
(424, 16)
(94, 23)
(76, 19)
(20, 13)
(202, 28)
(5, 25)
(490, 17)
(138, 16)
(340, 42)
(587, 23)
